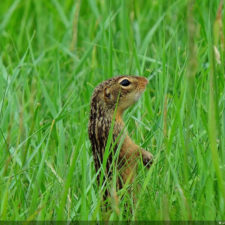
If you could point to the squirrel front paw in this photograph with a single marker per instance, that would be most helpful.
(147, 158)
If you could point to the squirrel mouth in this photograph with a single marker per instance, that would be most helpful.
(139, 93)
(137, 96)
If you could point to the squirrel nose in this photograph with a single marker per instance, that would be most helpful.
(143, 83)
(144, 80)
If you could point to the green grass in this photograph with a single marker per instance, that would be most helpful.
(52, 55)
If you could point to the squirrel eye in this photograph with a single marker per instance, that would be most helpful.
(125, 82)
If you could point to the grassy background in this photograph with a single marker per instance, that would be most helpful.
(52, 55)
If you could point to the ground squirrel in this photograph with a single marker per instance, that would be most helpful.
(116, 95)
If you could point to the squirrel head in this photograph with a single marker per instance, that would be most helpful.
(123, 90)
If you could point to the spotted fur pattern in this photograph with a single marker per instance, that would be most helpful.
(99, 126)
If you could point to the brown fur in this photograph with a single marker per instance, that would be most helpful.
(106, 96)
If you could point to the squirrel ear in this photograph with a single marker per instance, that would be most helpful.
(107, 94)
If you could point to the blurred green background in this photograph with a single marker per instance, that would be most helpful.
(52, 55)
